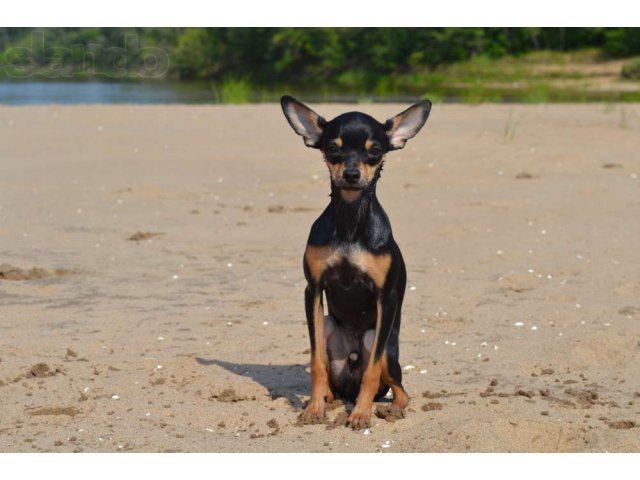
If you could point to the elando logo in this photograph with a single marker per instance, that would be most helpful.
(92, 59)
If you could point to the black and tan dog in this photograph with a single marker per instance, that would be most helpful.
(352, 258)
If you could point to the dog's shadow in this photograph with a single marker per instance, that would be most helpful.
(288, 381)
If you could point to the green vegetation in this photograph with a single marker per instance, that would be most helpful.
(355, 64)
(631, 70)
(233, 90)
(509, 128)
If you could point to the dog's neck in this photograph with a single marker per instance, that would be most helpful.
(352, 211)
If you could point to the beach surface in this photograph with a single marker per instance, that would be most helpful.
(151, 287)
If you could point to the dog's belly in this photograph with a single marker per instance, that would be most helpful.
(351, 297)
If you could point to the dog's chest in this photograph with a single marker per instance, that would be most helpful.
(348, 274)
(347, 266)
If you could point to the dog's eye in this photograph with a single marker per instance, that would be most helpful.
(375, 151)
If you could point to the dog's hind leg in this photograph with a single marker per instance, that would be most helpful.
(392, 372)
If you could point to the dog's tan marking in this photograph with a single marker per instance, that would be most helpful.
(335, 169)
(376, 266)
(350, 195)
(320, 388)
(319, 360)
(368, 144)
(400, 397)
(338, 142)
(369, 171)
(319, 259)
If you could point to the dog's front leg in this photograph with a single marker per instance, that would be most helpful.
(320, 389)
(386, 307)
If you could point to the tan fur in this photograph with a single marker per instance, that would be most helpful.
(376, 266)
(400, 397)
(368, 144)
(338, 142)
(319, 259)
(369, 171)
(350, 195)
(335, 170)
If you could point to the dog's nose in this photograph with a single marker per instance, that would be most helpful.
(351, 175)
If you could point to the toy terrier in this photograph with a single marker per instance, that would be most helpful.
(352, 258)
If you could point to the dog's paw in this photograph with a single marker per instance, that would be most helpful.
(313, 414)
(359, 419)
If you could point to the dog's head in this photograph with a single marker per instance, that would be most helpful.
(354, 144)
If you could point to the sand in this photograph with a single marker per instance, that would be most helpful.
(151, 289)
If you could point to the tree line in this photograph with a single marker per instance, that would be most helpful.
(265, 56)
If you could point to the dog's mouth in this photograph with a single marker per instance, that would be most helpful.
(349, 187)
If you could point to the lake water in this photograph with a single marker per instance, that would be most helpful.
(30, 93)
(56, 92)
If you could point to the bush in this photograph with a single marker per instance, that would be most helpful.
(233, 90)
(631, 70)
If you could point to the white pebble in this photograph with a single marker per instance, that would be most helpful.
(534, 328)
(160, 338)
(229, 265)
(175, 277)
(483, 344)
(115, 397)
(422, 372)
(265, 323)
(409, 367)
(518, 324)
(412, 288)
(158, 367)
(366, 431)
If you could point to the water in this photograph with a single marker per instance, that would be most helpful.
(74, 92)
(38, 93)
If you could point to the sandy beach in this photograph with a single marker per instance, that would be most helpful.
(151, 285)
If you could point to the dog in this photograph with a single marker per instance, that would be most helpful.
(352, 258)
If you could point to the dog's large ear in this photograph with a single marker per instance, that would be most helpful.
(407, 124)
(304, 121)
